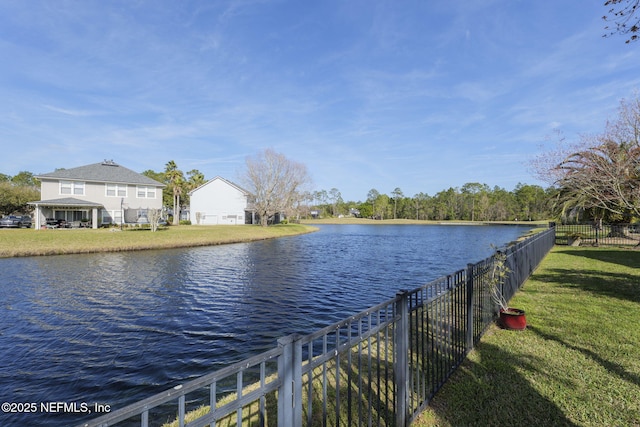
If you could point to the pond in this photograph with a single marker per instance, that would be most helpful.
(115, 328)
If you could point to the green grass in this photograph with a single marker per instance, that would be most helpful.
(577, 363)
(30, 242)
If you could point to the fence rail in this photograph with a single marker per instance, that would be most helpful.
(380, 367)
(598, 234)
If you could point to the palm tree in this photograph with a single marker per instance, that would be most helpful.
(195, 179)
(175, 179)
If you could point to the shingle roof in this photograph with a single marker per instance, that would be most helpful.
(66, 201)
(107, 171)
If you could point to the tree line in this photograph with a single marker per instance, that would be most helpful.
(471, 202)
(596, 178)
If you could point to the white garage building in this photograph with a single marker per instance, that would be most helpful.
(220, 201)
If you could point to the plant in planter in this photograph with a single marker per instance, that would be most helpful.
(510, 318)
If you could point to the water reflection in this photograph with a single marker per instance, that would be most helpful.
(117, 327)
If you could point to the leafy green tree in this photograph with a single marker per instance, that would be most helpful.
(471, 193)
(14, 198)
(366, 210)
(406, 207)
(335, 198)
(372, 197)
(383, 207)
(158, 176)
(26, 179)
(502, 205)
(446, 204)
(195, 179)
(420, 203)
(532, 202)
(321, 198)
(397, 195)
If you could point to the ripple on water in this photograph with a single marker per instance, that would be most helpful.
(114, 328)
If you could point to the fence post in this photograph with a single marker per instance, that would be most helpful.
(290, 374)
(401, 368)
(469, 328)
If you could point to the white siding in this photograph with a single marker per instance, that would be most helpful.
(218, 202)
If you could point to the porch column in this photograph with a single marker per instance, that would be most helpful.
(94, 218)
(37, 224)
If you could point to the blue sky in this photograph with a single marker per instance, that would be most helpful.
(420, 95)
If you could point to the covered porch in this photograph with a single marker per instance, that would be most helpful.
(68, 209)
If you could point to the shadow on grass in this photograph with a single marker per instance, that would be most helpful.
(613, 285)
(492, 392)
(629, 258)
(606, 364)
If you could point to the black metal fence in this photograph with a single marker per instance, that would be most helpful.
(380, 367)
(598, 234)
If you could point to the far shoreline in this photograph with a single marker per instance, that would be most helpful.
(31, 242)
(368, 221)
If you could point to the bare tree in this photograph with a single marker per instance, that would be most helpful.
(275, 182)
(600, 174)
(154, 216)
(623, 13)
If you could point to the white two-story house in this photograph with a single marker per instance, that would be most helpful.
(101, 193)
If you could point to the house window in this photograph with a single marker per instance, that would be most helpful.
(116, 190)
(106, 217)
(78, 188)
(143, 192)
(72, 187)
(79, 215)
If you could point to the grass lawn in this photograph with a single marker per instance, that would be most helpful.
(577, 363)
(29, 242)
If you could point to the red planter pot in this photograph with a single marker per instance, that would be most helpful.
(513, 318)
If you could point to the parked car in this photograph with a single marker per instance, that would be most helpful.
(16, 221)
(56, 223)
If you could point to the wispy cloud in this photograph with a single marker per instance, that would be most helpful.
(68, 112)
(422, 97)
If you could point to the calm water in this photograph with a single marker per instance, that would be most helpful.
(116, 328)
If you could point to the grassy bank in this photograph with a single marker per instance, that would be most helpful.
(578, 362)
(25, 242)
